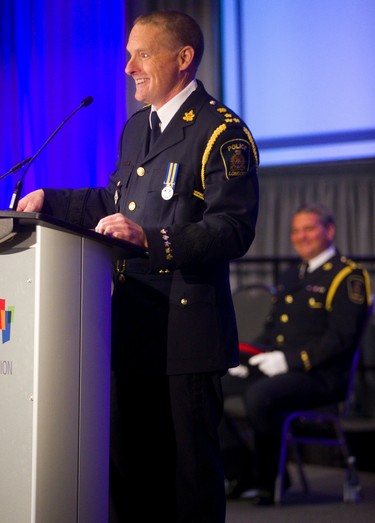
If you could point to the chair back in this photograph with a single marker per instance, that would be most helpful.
(252, 304)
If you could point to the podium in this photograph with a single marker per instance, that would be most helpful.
(55, 319)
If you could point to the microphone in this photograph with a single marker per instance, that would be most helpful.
(16, 167)
(18, 189)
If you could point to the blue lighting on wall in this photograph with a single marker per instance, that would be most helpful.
(53, 55)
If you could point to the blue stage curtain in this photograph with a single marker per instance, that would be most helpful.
(53, 55)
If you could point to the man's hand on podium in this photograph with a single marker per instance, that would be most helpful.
(32, 202)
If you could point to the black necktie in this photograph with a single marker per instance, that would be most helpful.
(155, 129)
(303, 269)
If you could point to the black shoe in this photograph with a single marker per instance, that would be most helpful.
(265, 496)
(259, 497)
(234, 488)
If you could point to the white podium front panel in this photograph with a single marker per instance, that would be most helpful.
(17, 307)
(55, 308)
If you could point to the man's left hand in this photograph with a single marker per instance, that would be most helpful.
(120, 227)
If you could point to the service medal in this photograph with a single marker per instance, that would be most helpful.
(167, 192)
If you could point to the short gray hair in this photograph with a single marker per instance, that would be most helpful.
(182, 28)
(325, 214)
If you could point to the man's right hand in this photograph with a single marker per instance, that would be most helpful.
(32, 202)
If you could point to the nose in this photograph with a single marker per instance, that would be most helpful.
(300, 237)
(130, 66)
(127, 67)
(297, 237)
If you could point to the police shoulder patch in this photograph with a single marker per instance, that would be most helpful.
(356, 288)
(236, 157)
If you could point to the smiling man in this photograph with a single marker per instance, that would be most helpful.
(312, 234)
(160, 68)
(308, 343)
(189, 198)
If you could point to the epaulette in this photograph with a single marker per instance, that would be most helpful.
(140, 110)
(227, 117)
(350, 263)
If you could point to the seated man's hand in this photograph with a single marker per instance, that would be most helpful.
(270, 363)
(241, 371)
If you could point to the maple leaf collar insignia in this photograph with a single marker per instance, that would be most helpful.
(189, 116)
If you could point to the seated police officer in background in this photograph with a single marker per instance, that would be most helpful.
(307, 346)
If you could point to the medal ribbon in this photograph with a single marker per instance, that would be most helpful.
(171, 175)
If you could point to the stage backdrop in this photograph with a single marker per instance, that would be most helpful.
(301, 73)
(53, 55)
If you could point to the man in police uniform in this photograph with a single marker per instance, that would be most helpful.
(189, 198)
(307, 347)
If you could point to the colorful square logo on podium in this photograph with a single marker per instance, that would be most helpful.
(6, 319)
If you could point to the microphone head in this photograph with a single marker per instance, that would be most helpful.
(87, 101)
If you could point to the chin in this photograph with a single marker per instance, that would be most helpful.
(140, 96)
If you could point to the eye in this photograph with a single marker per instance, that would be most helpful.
(143, 55)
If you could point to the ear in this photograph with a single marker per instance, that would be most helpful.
(331, 231)
(185, 57)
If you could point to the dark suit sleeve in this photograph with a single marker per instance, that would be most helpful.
(228, 209)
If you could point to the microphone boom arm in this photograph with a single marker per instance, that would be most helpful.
(18, 189)
(16, 167)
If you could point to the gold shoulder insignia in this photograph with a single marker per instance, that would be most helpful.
(327, 266)
(351, 263)
(189, 117)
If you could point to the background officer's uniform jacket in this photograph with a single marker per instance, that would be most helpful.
(317, 320)
(173, 308)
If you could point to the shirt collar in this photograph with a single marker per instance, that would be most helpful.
(324, 256)
(168, 110)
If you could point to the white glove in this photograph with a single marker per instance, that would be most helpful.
(270, 363)
(241, 371)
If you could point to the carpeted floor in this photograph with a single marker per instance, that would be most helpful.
(323, 504)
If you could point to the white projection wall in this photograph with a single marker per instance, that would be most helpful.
(302, 75)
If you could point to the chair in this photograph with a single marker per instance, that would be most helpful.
(305, 427)
(252, 303)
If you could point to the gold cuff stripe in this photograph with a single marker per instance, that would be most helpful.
(305, 360)
(198, 194)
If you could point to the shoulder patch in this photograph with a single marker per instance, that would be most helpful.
(236, 157)
(356, 288)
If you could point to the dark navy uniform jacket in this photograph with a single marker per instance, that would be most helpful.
(172, 308)
(317, 320)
